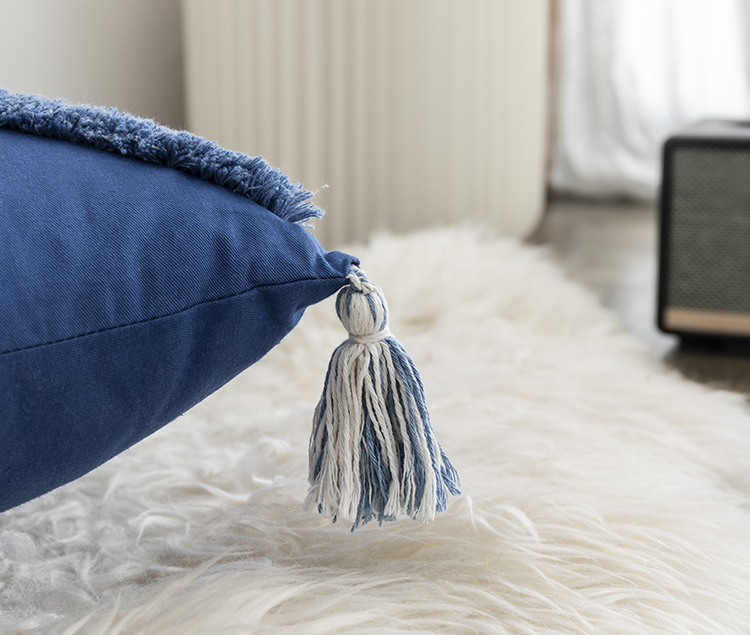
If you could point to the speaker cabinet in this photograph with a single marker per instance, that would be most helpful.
(704, 255)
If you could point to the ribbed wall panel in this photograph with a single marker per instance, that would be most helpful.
(412, 112)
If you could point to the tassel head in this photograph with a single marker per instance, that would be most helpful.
(362, 309)
(373, 453)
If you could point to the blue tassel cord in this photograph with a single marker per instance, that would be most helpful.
(373, 452)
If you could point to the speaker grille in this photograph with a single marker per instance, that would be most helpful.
(709, 229)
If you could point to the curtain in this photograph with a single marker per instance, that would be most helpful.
(629, 73)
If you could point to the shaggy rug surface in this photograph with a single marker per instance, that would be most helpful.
(602, 492)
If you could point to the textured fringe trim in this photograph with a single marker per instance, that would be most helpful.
(144, 139)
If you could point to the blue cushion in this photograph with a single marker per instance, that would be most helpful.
(129, 292)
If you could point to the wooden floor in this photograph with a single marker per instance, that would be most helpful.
(612, 249)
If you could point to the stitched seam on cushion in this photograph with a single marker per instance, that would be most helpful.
(168, 315)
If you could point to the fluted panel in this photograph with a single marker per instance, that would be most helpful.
(411, 112)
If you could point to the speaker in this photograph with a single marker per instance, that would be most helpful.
(704, 243)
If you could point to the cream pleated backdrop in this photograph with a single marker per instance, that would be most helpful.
(412, 112)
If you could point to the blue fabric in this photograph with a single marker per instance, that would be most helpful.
(146, 140)
(128, 293)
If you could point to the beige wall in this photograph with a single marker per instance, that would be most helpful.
(122, 53)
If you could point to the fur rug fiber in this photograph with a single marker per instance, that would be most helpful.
(603, 493)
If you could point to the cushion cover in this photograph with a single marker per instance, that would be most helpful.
(129, 292)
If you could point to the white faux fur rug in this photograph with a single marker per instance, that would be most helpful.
(602, 493)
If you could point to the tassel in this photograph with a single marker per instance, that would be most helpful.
(373, 453)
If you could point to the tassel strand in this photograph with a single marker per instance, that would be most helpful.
(373, 452)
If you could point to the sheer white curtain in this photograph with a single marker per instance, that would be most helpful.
(630, 72)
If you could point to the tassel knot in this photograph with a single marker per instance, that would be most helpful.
(362, 309)
(373, 453)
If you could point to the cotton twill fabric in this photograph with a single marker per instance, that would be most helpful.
(128, 293)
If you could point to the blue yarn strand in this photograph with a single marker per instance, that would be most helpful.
(407, 370)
